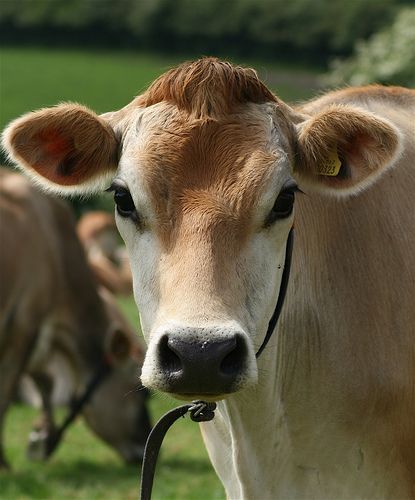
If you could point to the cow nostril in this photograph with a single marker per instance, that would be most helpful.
(233, 362)
(168, 358)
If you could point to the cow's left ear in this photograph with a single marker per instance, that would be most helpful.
(66, 148)
(343, 149)
(120, 346)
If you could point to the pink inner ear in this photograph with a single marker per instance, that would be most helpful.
(54, 146)
(357, 147)
(362, 152)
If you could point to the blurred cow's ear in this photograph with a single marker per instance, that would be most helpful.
(344, 149)
(66, 148)
(119, 346)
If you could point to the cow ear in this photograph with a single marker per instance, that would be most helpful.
(344, 149)
(66, 148)
(120, 346)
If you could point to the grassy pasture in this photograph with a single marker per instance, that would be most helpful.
(83, 467)
(104, 81)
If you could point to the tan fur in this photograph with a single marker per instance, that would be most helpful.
(203, 149)
(398, 96)
(92, 224)
(67, 144)
(106, 255)
(207, 88)
(363, 142)
(368, 126)
(221, 186)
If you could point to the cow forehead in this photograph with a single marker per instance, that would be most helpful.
(210, 171)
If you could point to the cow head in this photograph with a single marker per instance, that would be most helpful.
(203, 168)
(117, 410)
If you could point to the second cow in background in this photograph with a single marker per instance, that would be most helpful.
(105, 251)
(50, 309)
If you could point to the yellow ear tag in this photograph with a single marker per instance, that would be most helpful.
(331, 166)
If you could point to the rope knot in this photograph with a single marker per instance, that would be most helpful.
(201, 411)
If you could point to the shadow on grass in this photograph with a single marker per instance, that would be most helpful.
(186, 466)
(82, 472)
(44, 480)
(16, 484)
(85, 469)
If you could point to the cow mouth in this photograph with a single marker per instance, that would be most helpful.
(209, 398)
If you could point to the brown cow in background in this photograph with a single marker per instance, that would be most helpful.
(106, 253)
(50, 308)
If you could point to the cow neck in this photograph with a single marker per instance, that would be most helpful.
(248, 466)
(81, 296)
(282, 293)
(92, 326)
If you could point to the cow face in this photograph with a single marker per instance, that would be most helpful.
(204, 192)
(205, 209)
(118, 414)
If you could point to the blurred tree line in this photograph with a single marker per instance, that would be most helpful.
(313, 30)
(386, 57)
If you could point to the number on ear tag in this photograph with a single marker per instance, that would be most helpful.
(331, 166)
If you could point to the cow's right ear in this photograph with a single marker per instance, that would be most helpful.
(120, 346)
(66, 148)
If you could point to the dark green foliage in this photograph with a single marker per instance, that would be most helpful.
(387, 57)
(279, 29)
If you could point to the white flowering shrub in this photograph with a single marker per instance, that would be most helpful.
(387, 57)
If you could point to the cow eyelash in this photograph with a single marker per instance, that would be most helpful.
(284, 203)
(123, 201)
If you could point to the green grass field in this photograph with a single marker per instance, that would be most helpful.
(83, 467)
(32, 78)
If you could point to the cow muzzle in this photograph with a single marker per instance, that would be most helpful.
(199, 362)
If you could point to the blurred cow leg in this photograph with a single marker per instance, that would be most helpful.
(45, 425)
(14, 357)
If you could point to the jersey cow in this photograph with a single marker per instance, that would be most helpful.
(106, 256)
(205, 167)
(52, 315)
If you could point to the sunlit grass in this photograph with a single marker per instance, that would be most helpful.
(85, 468)
(105, 80)
(33, 78)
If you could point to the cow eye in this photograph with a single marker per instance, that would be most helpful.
(283, 205)
(124, 202)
